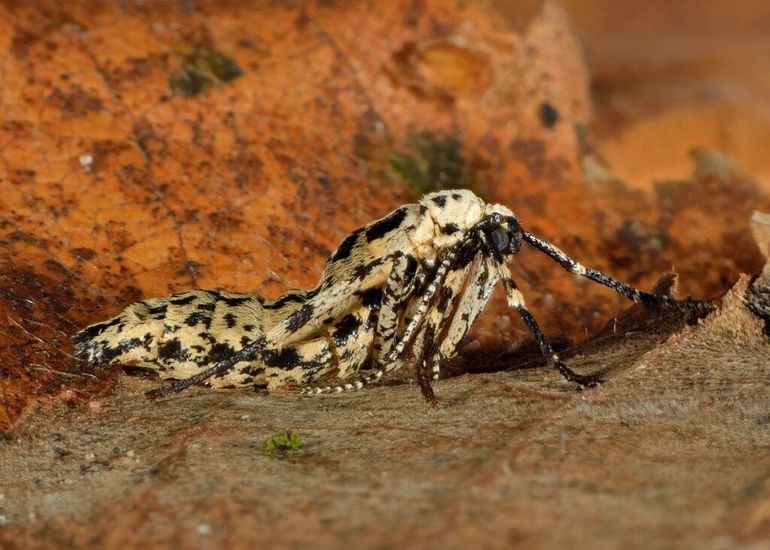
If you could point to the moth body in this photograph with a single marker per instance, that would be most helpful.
(405, 289)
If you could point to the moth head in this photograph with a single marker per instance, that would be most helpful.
(503, 231)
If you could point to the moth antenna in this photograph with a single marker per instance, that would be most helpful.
(633, 293)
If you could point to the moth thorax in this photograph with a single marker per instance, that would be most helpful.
(453, 212)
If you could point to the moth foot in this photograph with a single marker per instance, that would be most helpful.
(433, 402)
(586, 381)
(157, 393)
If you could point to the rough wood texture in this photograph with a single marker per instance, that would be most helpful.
(673, 451)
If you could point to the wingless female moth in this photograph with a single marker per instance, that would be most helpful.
(405, 289)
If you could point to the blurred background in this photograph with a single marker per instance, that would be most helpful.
(669, 76)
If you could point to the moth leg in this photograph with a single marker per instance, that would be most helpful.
(423, 349)
(403, 279)
(331, 302)
(423, 304)
(426, 356)
(458, 286)
(480, 284)
(553, 359)
(248, 353)
(405, 337)
(516, 300)
(378, 328)
(650, 300)
(352, 340)
(423, 378)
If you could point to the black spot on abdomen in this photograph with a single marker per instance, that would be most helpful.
(183, 301)
(234, 302)
(287, 358)
(206, 306)
(198, 317)
(158, 311)
(220, 352)
(89, 333)
(172, 351)
(287, 298)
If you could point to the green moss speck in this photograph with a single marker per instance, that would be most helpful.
(434, 162)
(201, 69)
(282, 443)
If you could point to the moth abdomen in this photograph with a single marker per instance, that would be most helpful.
(130, 337)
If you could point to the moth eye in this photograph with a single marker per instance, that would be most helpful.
(500, 239)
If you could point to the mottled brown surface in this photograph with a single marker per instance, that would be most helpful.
(124, 190)
(673, 451)
(113, 187)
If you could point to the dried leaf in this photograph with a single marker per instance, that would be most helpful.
(116, 188)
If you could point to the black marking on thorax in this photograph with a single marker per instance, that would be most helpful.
(389, 223)
(411, 269)
(450, 228)
(346, 246)
(445, 297)
(466, 255)
(439, 201)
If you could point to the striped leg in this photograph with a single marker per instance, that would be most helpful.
(649, 300)
(404, 278)
(516, 301)
(428, 342)
(248, 353)
(424, 348)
